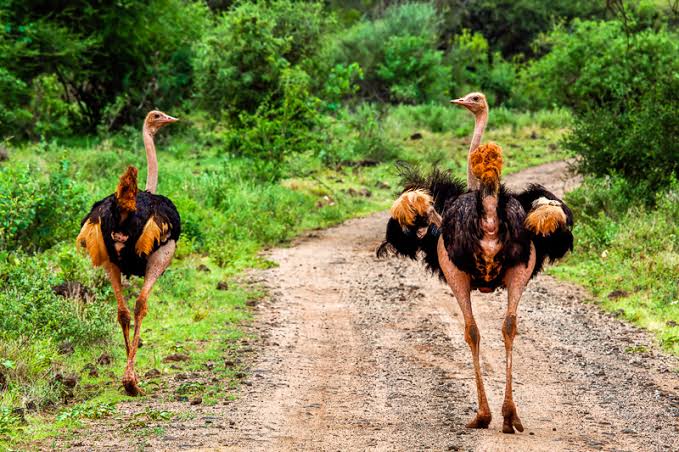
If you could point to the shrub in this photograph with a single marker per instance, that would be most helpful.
(14, 117)
(623, 91)
(474, 68)
(239, 64)
(636, 138)
(52, 116)
(32, 309)
(276, 131)
(340, 84)
(38, 213)
(511, 25)
(595, 63)
(137, 48)
(398, 54)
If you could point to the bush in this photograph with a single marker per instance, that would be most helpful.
(635, 138)
(32, 309)
(595, 63)
(239, 64)
(511, 25)
(276, 131)
(38, 213)
(14, 117)
(474, 68)
(136, 50)
(624, 93)
(52, 116)
(398, 54)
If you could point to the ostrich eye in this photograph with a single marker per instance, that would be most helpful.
(475, 98)
(156, 116)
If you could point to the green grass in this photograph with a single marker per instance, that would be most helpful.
(627, 255)
(228, 217)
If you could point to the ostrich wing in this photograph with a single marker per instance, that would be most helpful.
(549, 222)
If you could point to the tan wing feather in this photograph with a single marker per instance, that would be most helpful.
(91, 239)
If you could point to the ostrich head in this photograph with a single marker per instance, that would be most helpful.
(156, 120)
(474, 102)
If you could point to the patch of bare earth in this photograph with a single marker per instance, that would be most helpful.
(358, 353)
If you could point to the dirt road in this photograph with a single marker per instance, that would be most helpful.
(359, 353)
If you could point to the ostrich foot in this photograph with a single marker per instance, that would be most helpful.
(130, 383)
(511, 420)
(481, 420)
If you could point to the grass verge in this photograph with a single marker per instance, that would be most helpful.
(627, 254)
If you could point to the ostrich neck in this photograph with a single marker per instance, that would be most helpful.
(151, 161)
(473, 182)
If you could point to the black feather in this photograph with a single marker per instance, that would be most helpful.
(556, 245)
(443, 188)
(109, 215)
(462, 235)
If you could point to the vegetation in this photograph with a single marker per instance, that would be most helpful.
(293, 114)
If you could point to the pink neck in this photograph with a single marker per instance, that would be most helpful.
(151, 161)
(481, 119)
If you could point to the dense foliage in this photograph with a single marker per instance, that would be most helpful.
(623, 89)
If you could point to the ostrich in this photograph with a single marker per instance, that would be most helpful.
(481, 238)
(134, 233)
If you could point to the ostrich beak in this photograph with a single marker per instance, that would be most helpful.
(169, 119)
(459, 101)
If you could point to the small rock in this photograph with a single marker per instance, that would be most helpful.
(534, 135)
(68, 381)
(416, 136)
(176, 357)
(65, 348)
(222, 285)
(617, 294)
(251, 302)
(325, 201)
(197, 401)
(203, 268)
(153, 373)
(104, 359)
(91, 370)
(74, 290)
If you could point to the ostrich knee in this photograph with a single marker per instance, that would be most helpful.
(472, 335)
(124, 318)
(509, 331)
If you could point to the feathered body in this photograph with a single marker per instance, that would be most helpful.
(484, 255)
(129, 241)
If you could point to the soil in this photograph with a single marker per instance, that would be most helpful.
(357, 353)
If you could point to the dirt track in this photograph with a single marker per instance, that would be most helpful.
(358, 353)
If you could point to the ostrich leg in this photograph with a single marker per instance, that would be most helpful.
(516, 279)
(460, 284)
(155, 267)
(123, 311)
